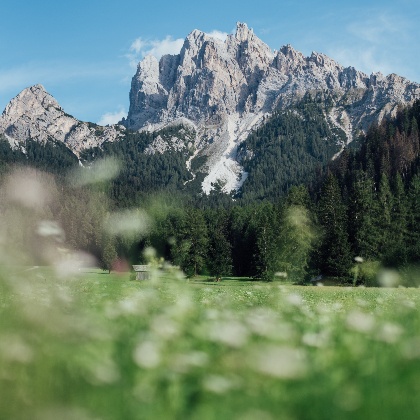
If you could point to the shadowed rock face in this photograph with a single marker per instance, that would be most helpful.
(35, 114)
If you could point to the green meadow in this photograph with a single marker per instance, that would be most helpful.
(99, 346)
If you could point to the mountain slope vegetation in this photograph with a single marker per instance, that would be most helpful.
(363, 204)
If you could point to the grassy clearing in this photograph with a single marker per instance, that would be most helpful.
(101, 347)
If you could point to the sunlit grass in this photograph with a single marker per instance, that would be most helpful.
(100, 346)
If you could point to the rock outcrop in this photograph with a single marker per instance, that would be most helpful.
(226, 88)
(35, 114)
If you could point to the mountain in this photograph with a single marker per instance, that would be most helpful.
(226, 89)
(223, 94)
(34, 114)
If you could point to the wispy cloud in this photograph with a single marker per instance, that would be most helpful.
(374, 44)
(110, 118)
(367, 60)
(379, 29)
(141, 47)
(218, 35)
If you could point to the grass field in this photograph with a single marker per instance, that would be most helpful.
(99, 346)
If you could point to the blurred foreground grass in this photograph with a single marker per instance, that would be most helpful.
(98, 346)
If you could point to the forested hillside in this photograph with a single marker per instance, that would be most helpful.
(53, 157)
(144, 173)
(289, 148)
(377, 189)
(365, 204)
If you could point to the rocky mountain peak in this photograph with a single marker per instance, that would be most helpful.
(33, 100)
(226, 88)
(289, 52)
(243, 33)
(248, 48)
(35, 114)
(149, 66)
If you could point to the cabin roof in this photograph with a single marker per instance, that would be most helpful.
(141, 268)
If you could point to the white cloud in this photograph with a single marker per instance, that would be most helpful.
(110, 118)
(138, 45)
(218, 35)
(166, 46)
(142, 47)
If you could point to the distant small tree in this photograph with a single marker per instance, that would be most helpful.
(109, 254)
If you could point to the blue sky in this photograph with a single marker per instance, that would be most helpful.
(85, 52)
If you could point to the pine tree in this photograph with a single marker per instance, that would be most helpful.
(243, 240)
(413, 238)
(297, 236)
(334, 257)
(383, 220)
(395, 254)
(298, 196)
(364, 217)
(191, 247)
(220, 249)
(267, 242)
(109, 254)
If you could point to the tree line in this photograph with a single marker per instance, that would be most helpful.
(365, 204)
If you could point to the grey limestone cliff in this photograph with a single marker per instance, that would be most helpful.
(226, 88)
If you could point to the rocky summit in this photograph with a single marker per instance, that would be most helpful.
(225, 89)
(220, 91)
(35, 114)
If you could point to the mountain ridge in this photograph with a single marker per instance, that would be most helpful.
(222, 90)
(226, 89)
(35, 114)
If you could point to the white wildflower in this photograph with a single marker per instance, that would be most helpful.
(147, 355)
(165, 327)
(389, 332)
(218, 384)
(51, 228)
(14, 349)
(232, 333)
(360, 321)
(389, 278)
(294, 299)
(280, 361)
(105, 372)
(185, 361)
(315, 339)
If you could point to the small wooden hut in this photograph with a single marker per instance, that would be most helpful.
(142, 272)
